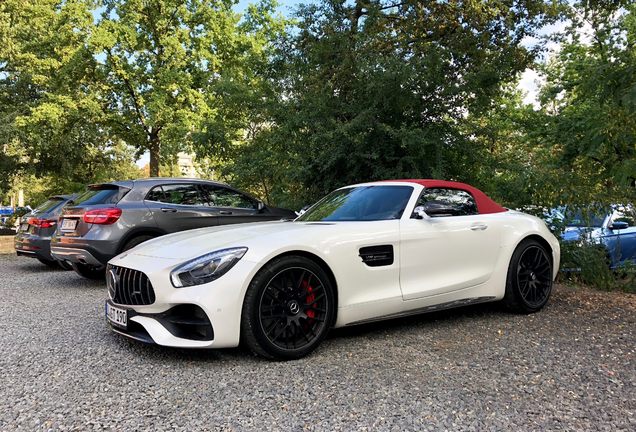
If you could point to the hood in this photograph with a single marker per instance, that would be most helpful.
(194, 243)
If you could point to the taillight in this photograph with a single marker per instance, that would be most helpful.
(103, 216)
(41, 223)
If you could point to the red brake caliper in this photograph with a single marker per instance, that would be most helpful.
(309, 300)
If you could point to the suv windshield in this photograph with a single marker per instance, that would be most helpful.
(102, 194)
(363, 203)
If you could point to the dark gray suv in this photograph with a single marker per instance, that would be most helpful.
(110, 218)
(33, 238)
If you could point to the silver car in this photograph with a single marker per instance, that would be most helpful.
(110, 218)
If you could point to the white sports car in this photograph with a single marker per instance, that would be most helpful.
(363, 253)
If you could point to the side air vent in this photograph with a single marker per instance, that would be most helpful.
(377, 256)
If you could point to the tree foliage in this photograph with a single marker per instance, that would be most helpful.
(165, 68)
(589, 101)
(376, 89)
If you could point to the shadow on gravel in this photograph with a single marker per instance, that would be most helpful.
(179, 355)
(379, 329)
(75, 281)
(33, 266)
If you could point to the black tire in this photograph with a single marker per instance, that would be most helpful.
(136, 241)
(288, 309)
(89, 272)
(64, 265)
(529, 281)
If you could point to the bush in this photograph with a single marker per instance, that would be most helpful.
(589, 264)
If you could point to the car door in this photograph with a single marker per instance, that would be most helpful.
(621, 243)
(452, 247)
(232, 206)
(180, 206)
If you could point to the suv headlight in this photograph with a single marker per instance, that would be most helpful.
(206, 268)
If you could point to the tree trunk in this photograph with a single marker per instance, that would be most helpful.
(154, 148)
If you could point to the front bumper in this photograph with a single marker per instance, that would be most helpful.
(33, 246)
(210, 314)
(183, 324)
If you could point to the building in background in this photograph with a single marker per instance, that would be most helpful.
(185, 162)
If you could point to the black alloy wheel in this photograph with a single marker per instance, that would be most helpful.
(534, 276)
(288, 308)
(529, 282)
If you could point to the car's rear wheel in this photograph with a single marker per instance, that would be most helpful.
(529, 281)
(64, 265)
(288, 309)
(136, 241)
(89, 272)
(48, 263)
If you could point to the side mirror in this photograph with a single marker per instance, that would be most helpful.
(419, 213)
(302, 210)
(618, 225)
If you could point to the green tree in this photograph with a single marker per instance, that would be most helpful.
(53, 134)
(377, 89)
(589, 103)
(164, 67)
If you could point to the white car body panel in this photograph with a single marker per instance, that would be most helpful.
(438, 263)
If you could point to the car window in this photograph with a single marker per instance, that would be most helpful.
(182, 194)
(220, 196)
(49, 205)
(624, 215)
(100, 194)
(457, 202)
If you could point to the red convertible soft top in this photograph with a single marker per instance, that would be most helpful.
(485, 205)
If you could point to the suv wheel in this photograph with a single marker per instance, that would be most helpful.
(136, 241)
(48, 263)
(89, 272)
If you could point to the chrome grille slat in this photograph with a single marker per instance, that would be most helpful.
(133, 287)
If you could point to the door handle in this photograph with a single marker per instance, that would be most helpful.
(225, 212)
(478, 227)
(168, 210)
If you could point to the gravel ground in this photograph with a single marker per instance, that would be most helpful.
(570, 367)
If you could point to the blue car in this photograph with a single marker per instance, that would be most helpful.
(615, 230)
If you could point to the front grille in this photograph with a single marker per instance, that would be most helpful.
(129, 287)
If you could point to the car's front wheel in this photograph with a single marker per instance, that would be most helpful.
(89, 272)
(529, 281)
(288, 308)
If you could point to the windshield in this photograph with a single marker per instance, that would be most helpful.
(583, 218)
(363, 203)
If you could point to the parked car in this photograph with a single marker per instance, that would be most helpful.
(33, 238)
(363, 253)
(110, 218)
(615, 230)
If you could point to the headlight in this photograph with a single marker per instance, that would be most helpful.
(206, 268)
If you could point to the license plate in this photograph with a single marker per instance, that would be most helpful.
(117, 316)
(69, 224)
